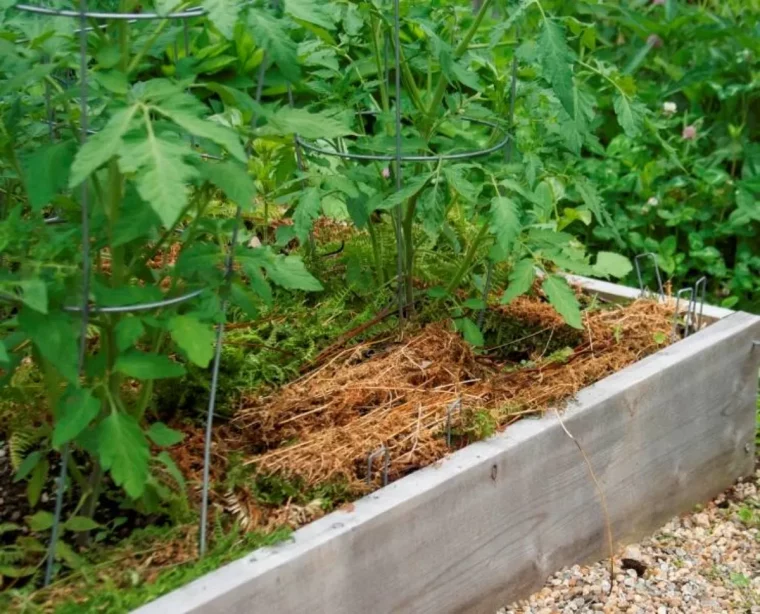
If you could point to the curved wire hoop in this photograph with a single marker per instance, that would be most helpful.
(138, 306)
(41, 10)
(377, 157)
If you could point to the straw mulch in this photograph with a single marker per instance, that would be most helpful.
(395, 393)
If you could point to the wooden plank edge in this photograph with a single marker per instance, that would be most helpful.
(230, 582)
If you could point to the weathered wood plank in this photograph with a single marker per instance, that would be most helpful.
(491, 522)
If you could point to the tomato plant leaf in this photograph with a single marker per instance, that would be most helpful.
(101, 146)
(311, 12)
(54, 335)
(46, 172)
(34, 294)
(412, 187)
(194, 337)
(308, 124)
(290, 273)
(307, 210)
(80, 523)
(470, 331)
(127, 332)
(37, 482)
(556, 58)
(223, 14)
(562, 298)
(164, 436)
(233, 180)
(162, 172)
(171, 468)
(520, 280)
(26, 466)
(270, 33)
(147, 366)
(123, 450)
(41, 521)
(504, 222)
(176, 109)
(76, 410)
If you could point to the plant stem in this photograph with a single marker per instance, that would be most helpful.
(468, 258)
(378, 256)
(440, 90)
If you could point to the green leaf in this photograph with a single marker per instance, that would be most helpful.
(64, 552)
(470, 331)
(147, 366)
(271, 34)
(4, 356)
(194, 337)
(164, 436)
(76, 410)
(223, 14)
(520, 280)
(113, 81)
(184, 116)
(127, 332)
(609, 264)
(54, 335)
(233, 180)
(309, 205)
(412, 187)
(162, 173)
(80, 523)
(34, 294)
(244, 299)
(123, 450)
(172, 468)
(504, 221)
(26, 466)
(311, 12)
(591, 199)
(101, 146)
(562, 298)
(290, 273)
(555, 58)
(629, 114)
(41, 521)
(37, 482)
(46, 172)
(309, 125)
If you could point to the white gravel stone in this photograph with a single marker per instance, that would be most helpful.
(707, 561)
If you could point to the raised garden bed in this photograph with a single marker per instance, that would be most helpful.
(490, 522)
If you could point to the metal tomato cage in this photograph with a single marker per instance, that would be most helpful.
(86, 308)
(503, 136)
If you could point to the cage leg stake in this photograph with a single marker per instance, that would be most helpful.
(456, 404)
(679, 294)
(382, 450)
(643, 289)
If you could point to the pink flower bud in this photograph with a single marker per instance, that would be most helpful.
(386, 172)
(689, 133)
(654, 41)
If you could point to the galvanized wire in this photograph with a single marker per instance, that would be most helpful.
(378, 157)
(397, 171)
(85, 310)
(218, 348)
(138, 306)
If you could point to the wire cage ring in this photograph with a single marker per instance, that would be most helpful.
(378, 157)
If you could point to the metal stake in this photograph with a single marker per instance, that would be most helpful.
(681, 292)
(61, 486)
(456, 404)
(697, 320)
(653, 256)
(386, 461)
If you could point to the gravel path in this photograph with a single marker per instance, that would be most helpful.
(706, 561)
